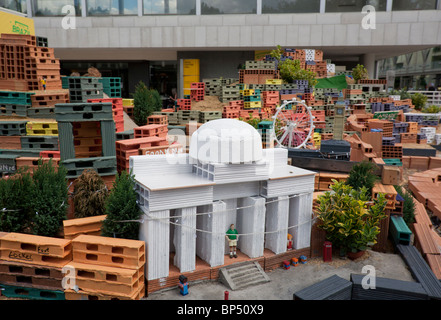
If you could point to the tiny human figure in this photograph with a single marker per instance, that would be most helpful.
(183, 285)
(43, 83)
(232, 237)
(290, 242)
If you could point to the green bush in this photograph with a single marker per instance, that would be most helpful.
(291, 70)
(15, 203)
(49, 199)
(408, 205)
(90, 194)
(363, 175)
(431, 109)
(419, 100)
(360, 73)
(121, 205)
(350, 223)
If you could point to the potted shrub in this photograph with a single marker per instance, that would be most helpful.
(350, 219)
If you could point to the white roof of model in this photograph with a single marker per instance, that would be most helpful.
(226, 141)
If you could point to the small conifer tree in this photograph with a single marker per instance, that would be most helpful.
(122, 209)
(15, 202)
(49, 199)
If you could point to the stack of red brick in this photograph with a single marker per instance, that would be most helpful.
(232, 111)
(184, 104)
(197, 92)
(107, 269)
(23, 64)
(148, 138)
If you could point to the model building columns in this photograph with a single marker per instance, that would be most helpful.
(277, 215)
(211, 233)
(155, 231)
(184, 239)
(300, 219)
(251, 224)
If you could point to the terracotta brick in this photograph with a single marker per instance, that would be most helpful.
(32, 244)
(172, 149)
(108, 274)
(434, 163)
(419, 163)
(89, 295)
(106, 286)
(423, 239)
(35, 259)
(391, 175)
(78, 226)
(108, 251)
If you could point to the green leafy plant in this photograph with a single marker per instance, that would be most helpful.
(49, 199)
(408, 205)
(402, 93)
(360, 73)
(15, 202)
(363, 175)
(121, 206)
(419, 100)
(431, 109)
(90, 194)
(291, 70)
(351, 220)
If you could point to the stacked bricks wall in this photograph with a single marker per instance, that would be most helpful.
(108, 267)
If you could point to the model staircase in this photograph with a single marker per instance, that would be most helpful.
(242, 275)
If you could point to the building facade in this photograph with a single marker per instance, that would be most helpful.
(147, 39)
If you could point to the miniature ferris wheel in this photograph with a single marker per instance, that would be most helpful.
(293, 125)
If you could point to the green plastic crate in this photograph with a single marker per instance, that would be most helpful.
(31, 293)
(399, 230)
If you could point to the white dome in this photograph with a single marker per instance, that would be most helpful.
(226, 141)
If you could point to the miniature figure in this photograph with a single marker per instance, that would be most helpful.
(43, 83)
(232, 237)
(183, 285)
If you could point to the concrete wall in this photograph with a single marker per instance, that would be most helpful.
(161, 37)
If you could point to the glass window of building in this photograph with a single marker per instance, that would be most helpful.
(16, 5)
(228, 7)
(55, 7)
(354, 5)
(414, 5)
(290, 6)
(169, 7)
(112, 7)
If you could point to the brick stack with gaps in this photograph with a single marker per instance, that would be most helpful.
(86, 267)
(30, 130)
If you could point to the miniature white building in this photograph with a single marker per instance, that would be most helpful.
(190, 200)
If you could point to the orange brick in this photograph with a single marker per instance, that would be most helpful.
(88, 225)
(108, 251)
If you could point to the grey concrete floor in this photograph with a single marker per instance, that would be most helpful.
(284, 283)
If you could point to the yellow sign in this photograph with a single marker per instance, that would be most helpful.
(191, 74)
(11, 23)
